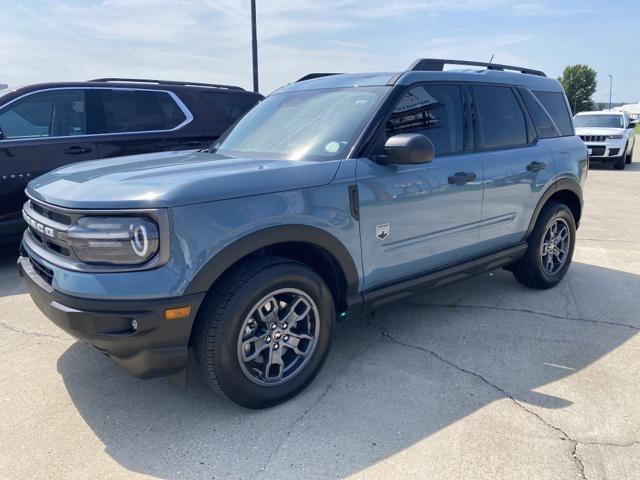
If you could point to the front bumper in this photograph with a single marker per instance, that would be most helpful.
(157, 347)
(610, 151)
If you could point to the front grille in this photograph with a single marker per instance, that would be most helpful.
(43, 272)
(45, 212)
(44, 241)
(597, 151)
(45, 224)
(593, 138)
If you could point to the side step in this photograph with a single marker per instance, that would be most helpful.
(405, 288)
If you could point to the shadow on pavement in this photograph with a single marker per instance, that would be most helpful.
(10, 283)
(392, 380)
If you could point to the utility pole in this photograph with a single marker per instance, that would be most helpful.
(254, 46)
(610, 88)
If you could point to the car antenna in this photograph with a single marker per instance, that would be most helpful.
(491, 60)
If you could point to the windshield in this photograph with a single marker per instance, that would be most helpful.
(605, 121)
(310, 125)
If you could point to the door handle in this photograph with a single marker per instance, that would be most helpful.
(462, 177)
(76, 150)
(536, 166)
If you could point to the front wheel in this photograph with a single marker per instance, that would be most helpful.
(550, 249)
(264, 332)
(630, 155)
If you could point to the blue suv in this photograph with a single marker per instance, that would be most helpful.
(331, 197)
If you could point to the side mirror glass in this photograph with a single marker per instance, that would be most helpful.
(633, 124)
(408, 149)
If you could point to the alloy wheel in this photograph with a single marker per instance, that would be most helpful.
(555, 246)
(278, 337)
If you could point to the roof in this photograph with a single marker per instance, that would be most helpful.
(602, 112)
(633, 108)
(140, 84)
(534, 82)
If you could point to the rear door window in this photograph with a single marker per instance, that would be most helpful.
(52, 113)
(556, 105)
(544, 124)
(433, 110)
(501, 122)
(125, 111)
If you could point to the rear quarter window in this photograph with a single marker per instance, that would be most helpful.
(544, 124)
(556, 105)
(230, 106)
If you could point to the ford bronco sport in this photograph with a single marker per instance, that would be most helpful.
(331, 197)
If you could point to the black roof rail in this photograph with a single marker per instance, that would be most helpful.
(437, 65)
(165, 82)
(310, 76)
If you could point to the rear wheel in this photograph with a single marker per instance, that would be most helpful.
(550, 249)
(264, 331)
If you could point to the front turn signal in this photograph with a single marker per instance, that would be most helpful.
(177, 313)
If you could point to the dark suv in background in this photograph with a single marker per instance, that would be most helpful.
(45, 126)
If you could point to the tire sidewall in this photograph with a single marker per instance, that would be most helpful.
(229, 374)
(549, 216)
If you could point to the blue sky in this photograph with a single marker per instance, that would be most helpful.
(208, 40)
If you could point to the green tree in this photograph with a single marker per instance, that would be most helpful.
(579, 82)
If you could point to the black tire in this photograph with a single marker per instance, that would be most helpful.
(529, 270)
(224, 313)
(630, 155)
(620, 163)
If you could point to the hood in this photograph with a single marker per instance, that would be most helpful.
(169, 179)
(598, 131)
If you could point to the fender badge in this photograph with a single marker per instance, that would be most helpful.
(382, 231)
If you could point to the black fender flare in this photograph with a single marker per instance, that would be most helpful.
(232, 253)
(563, 183)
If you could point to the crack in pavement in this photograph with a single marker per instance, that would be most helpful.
(563, 435)
(301, 417)
(20, 331)
(525, 310)
(610, 444)
(606, 240)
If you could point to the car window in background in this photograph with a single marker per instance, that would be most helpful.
(501, 122)
(603, 121)
(434, 111)
(229, 105)
(137, 111)
(309, 124)
(556, 105)
(544, 124)
(55, 113)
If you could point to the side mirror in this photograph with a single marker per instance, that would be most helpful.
(408, 149)
(631, 125)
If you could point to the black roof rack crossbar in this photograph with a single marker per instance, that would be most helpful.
(437, 65)
(165, 82)
(310, 76)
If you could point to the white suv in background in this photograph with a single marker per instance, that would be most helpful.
(610, 136)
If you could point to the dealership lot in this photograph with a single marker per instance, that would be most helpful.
(482, 379)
